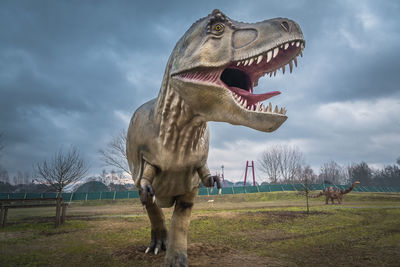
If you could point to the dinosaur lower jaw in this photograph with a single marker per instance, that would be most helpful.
(241, 76)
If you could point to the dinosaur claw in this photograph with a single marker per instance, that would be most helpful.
(155, 251)
(154, 199)
(219, 191)
(147, 250)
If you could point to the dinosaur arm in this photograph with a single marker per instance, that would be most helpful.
(146, 181)
(206, 177)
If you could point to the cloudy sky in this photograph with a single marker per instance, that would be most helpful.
(73, 72)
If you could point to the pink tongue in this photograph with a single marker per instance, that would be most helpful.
(253, 98)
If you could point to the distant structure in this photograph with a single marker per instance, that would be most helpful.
(245, 174)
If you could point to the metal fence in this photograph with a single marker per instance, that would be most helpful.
(202, 192)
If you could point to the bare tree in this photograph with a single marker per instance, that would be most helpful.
(115, 153)
(281, 162)
(360, 172)
(332, 172)
(63, 169)
(269, 163)
(291, 161)
(307, 177)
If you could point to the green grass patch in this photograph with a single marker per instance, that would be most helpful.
(260, 226)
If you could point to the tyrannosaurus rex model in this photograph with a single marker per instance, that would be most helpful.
(210, 76)
(332, 193)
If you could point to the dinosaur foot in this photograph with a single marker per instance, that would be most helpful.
(158, 241)
(178, 259)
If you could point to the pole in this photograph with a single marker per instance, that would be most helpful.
(223, 178)
(245, 174)
(254, 176)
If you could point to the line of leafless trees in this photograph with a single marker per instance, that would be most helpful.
(286, 164)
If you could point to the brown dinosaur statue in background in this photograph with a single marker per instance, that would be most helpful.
(210, 76)
(334, 193)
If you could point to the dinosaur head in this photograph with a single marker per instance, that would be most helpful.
(216, 66)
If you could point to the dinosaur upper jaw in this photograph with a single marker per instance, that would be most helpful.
(226, 93)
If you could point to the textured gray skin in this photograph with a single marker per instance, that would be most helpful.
(168, 138)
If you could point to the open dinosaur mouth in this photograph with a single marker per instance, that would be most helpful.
(241, 76)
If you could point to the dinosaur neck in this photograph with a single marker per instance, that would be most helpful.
(180, 129)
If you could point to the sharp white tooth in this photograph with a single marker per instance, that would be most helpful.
(292, 44)
(297, 44)
(269, 108)
(238, 63)
(276, 51)
(301, 54)
(260, 57)
(245, 103)
(281, 46)
(290, 66)
(284, 111)
(281, 111)
(251, 61)
(302, 45)
(286, 46)
(283, 69)
(269, 55)
(258, 106)
(295, 61)
(276, 110)
(246, 62)
(262, 108)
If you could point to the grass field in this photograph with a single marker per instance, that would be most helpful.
(263, 229)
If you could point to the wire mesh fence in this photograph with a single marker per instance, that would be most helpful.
(114, 195)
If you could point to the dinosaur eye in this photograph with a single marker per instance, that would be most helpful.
(219, 28)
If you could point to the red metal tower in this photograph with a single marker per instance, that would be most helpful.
(245, 175)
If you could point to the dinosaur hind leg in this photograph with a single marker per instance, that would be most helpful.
(158, 230)
(177, 238)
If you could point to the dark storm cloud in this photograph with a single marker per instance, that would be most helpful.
(72, 72)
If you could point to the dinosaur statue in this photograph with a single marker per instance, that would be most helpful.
(210, 76)
(333, 193)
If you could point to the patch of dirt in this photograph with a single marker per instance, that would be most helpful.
(201, 255)
(283, 216)
(204, 255)
(136, 254)
(59, 232)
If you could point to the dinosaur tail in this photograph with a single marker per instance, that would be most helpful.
(350, 188)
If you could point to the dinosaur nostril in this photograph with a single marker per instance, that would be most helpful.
(285, 25)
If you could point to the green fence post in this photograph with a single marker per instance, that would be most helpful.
(258, 189)
(100, 195)
(233, 191)
(86, 197)
(114, 195)
(283, 189)
(70, 198)
(25, 196)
